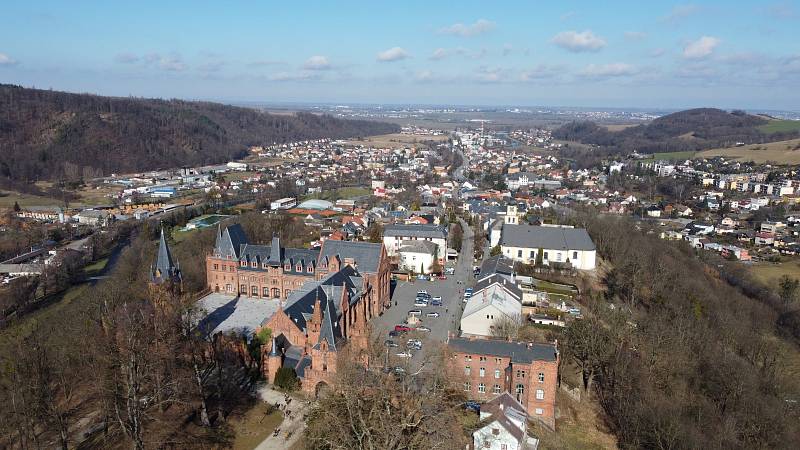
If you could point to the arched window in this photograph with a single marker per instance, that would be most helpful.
(265, 291)
(254, 291)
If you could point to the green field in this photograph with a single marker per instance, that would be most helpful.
(780, 126)
(670, 156)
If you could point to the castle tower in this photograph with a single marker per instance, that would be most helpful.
(273, 362)
(512, 216)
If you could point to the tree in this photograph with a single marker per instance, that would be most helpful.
(540, 258)
(435, 266)
(286, 379)
(787, 290)
(372, 410)
(586, 345)
(16, 207)
(496, 250)
(507, 327)
(375, 232)
(457, 237)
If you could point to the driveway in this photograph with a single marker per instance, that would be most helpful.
(294, 425)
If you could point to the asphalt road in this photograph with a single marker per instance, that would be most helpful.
(452, 293)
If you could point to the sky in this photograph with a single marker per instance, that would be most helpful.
(647, 54)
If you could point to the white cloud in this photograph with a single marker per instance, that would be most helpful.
(439, 54)
(635, 35)
(607, 70)
(680, 12)
(700, 48)
(479, 27)
(574, 41)
(172, 62)
(393, 54)
(317, 62)
(541, 72)
(6, 60)
(292, 76)
(126, 58)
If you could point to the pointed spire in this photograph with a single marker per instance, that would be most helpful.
(164, 269)
(274, 351)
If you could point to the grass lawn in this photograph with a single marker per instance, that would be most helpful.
(7, 199)
(254, 426)
(95, 267)
(578, 427)
(769, 273)
(395, 140)
(671, 156)
(781, 152)
(556, 291)
(780, 126)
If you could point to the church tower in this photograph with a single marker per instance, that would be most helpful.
(165, 274)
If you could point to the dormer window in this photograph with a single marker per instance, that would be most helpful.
(255, 264)
(310, 269)
(287, 267)
(264, 265)
(299, 268)
(244, 263)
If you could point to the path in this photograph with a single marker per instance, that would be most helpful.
(295, 425)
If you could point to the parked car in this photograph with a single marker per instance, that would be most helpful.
(390, 343)
(436, 303)
(404, 354)
(442, 277)
(422, 277)
(394, 333)
(432, 314)
(415, 312)
(419, 302)
(424, 329)
(422, 293)
(402, 328)
(437, 298)
(399, 371)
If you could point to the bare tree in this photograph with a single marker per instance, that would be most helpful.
(507, 327)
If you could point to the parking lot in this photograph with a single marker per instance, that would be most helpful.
(451, 292)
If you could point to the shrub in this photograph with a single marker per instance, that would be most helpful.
(286, 379)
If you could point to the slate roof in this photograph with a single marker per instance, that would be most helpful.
(366, 255)
(230, 240)
(494, 295)
(500, 280)
(497, 264)
(426, 247)
(300, 304)
(418, 231)
(164, 268)
(551, 238)
(226, 314)
(519, 352)
(261, 254)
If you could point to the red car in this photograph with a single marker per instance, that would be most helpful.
(402, 328)
(442, 277)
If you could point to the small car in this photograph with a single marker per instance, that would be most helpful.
(442, 277)
(437, 298)
(420, 303)
(423, 329)
(436, 303)
(402, 328)
(390, 343)
(472, 406)
(414, 312)
(404, 354)
(432, 314)
(394, 333)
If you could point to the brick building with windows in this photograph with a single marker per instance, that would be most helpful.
(325, 297)
(527, 371)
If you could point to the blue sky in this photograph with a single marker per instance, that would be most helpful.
(619, 54)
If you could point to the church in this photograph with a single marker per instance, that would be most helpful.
(326, 297)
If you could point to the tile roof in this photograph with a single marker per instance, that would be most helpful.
(419, 231)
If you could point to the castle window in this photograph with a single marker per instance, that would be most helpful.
(299, 268)
(310, 269)
(265, 292)
(254, 264)
(467, 371)
(520, 390)
(496, 389)
(482, 388)
(540, 394)
(264, 266)
(482, 372)
(216, 266)
(541, 377)
(497, 373)
(254, 291)
(287, 267)
(244, 263)
(467, 386)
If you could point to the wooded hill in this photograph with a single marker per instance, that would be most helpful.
(44, 134)
(690, 130)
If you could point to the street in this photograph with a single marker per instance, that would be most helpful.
(452, 294)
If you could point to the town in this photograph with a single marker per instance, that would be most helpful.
(260, 226)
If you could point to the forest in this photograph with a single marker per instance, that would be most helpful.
(48, 135)
(685, 350)
(690, 130)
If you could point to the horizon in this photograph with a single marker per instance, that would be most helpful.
(671, 56)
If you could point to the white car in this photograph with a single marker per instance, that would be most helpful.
(438, 298)
(405, 354)
(432, 314)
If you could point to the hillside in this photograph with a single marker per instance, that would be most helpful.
(48, 135)
(690, 130)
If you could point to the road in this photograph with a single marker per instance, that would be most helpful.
(452, 294)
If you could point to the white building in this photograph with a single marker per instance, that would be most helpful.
(283, 203)
(558, 244)
(395, 235)
(495, 298)
(506, 426)
(417, 256)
